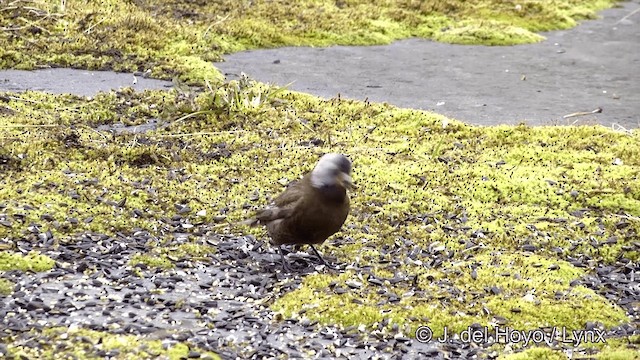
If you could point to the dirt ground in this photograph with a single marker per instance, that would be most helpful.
(594, 65)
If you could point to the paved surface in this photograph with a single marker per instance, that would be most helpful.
(596, 64)
(75, 81)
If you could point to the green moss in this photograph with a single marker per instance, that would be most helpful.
(31, 262)
(84, 344)
(524, 284)
(612, 349)
(476, 194)
(474, 197)
(13, 261)
(6, 287)
(536, 353)
(518, 185)
(619, 354)
(615, 348)
(183, 38)
(488, 33)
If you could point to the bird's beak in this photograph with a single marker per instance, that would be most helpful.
(346, 181)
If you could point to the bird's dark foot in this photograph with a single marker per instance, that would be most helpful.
(286, 268)
(285, 264)
(321, 258)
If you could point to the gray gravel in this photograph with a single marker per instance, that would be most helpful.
(222, 304)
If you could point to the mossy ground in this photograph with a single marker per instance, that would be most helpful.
(614, 349)
(5, 287)
(75, 343)
(33, 261)
(182, 38)
(476, 197)
(423, 181)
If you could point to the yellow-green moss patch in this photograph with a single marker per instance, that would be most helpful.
(547, 187)
(488, 33)
(510, 203)
(619, 349)
(6, 287)
(619, 354)
(521, 290)
(536, 353)
(86, 344)
(31, 262)
(613, 349)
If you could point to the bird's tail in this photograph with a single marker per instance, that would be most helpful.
(250, 222)
(264, 216)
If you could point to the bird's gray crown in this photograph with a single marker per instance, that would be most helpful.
(329, 166)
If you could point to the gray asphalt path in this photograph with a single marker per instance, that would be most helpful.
(595, 65)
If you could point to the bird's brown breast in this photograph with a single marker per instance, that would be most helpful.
(315, 214)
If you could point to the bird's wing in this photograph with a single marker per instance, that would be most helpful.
(291, 195)
(285, 204)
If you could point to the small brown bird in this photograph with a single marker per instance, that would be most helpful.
(312, 209)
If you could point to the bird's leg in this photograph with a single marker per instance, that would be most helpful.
(320, 257)
(285, 264)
